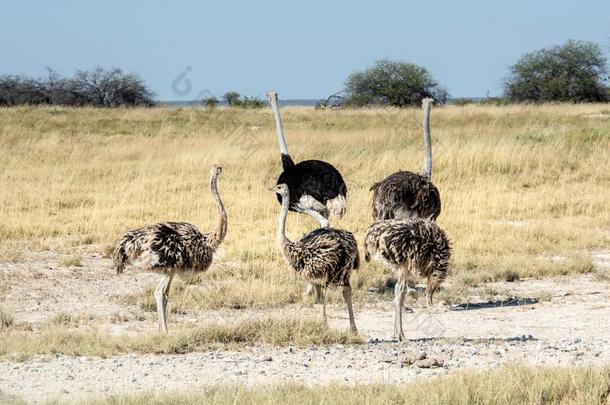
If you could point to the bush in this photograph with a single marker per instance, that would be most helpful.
(392, 83)
(99, 88)
(231, 98)
(234, 99)
(497, 101)
(464, 101)
(574, 72)
(210, 102)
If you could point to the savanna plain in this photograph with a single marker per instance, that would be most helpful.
(522, 317)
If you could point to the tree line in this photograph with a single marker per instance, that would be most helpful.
(576, 71)
(98, 87)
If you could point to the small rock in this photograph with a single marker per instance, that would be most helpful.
(412, 357)
(268, 358)
(429, 363)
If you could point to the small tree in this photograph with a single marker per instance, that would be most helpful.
(232, 98)
(112, 88)
(251, 102)
(574, 72)
(210, 102)
(392, 83)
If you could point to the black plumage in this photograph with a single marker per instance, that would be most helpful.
(316, 187)
(315, 178)
(405, 194)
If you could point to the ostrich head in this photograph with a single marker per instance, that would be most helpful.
(215, 171)
(427, 102)
(272, 96)
(281, 189)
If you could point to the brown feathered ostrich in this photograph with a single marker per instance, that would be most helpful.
(412, 247)
(172, 248)
(406, 194)
(324, 257)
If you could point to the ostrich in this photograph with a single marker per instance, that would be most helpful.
(409, 195)
(412, 247)
(316, 187)
(324, 257)
(172, 247)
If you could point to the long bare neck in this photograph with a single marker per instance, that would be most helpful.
(278, 126)
(221, 225)
(282, 240)
(427, 169)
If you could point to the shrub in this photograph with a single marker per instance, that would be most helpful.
(234, 99)
(392, 83)
(574, 72)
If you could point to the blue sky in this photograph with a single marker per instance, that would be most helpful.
(303, 50)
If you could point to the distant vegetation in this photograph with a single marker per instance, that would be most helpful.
(391, 83)
(234, 99)
(574, 72)
(98, 87)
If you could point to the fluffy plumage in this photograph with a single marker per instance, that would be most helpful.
(324, 257)
(166, 247)
(172, 247)
(406, 194)
(412, 247)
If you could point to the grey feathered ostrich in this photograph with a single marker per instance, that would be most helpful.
(406, 194)
(412, 247)
(324, 257)
(172, 247)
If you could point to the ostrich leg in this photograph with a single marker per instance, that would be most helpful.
(399, 299)
(315, 290)
(324, 309)
(347, 296)
(317, 293)
(161, 295)
(432, 285)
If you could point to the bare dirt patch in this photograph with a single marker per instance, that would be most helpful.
(558, 321)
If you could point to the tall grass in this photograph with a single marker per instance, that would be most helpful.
(524, 188)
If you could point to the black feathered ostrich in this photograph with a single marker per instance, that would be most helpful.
(172, 248)
(316, 187)
(406, 194)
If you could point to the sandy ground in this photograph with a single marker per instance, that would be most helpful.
(570, 326)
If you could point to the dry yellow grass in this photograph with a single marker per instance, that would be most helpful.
(58, 339)
(525, 189)
(508, 385)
